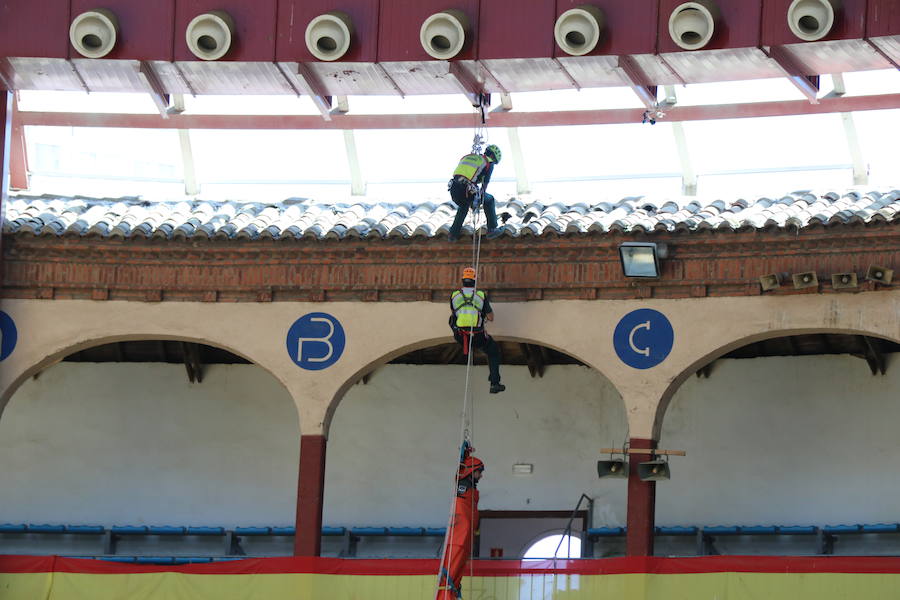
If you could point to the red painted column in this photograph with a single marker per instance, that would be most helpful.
(6, 111)
(310, 495)
(641, 504)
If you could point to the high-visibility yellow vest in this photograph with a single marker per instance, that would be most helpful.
(467, 308)
(471, 166)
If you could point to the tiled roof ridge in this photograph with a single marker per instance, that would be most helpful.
(296, 218)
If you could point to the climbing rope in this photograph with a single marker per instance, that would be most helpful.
(467, 425)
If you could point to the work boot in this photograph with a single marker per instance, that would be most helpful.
(452, 237)
(496, 388)
(494, 233)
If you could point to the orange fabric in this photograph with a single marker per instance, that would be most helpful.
(459, 542)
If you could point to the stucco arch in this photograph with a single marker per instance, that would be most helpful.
(734, 344)
(56, 355)
(413, 345)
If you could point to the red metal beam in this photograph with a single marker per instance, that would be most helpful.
(461, 120)
(635, 77)
(797, 73)
(18, 156)
(310, 494)
(6, 113)
(641, 515)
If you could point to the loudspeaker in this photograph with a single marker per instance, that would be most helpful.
(770, 282)
(328, 36)
(614, 468)
(880, 274)
(654, 470)
(443, 34)
(844, 281)
(805, 280)
(811, 20)
(93, 33)
(578, 30)
(209, 35)
(693, 24)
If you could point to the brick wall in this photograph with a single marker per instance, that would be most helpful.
(534, 268)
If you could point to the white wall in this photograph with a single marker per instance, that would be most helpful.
(131, 444)
(393, 447)
(806, 440)
(772, 441)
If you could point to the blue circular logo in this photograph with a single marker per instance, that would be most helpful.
(315, 341)
(8, 335)
(643, 338)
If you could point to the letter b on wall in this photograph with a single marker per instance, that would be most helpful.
(315, 341)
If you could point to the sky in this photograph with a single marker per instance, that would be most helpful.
(733, 158)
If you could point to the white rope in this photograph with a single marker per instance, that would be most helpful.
(468, 408)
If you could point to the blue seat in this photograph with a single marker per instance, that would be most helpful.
(333, 530)
(283, 531)
(119, 559)
(676, 530)
(206, 531)
(165, 530)
(155, 560)
(369, 531)
(252, 530)
(226, 558)
(84, 529)
(10, 528)
(406, 531)
(129, 529)
(759, 530)
(722, 530)
(32, 528)
(199, 559)
(841, 529)
(436, 531)
(880, 528)
(606, 531)
(797, 529)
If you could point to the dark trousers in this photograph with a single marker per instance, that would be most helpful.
(486, 344)
(459, 193)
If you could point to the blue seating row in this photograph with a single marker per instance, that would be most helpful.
(599, 532)
(162, 560)
(210, 531)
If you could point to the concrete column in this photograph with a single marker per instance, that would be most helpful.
(310, 495)
(641, 504)
(6, 110)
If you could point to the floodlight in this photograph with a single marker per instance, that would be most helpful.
(641, 259)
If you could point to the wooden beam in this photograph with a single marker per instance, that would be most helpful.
(449, 354)
(534, 359)
(191, 356)
(874, 355)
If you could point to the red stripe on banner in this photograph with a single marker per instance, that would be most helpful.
(482, 568)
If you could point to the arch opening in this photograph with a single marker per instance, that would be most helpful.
(149, 432)
(773, 426)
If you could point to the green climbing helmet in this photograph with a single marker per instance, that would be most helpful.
(494, 152)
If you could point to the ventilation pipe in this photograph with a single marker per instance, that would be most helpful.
(811, 20)
(578, 30)
(443, 34)
(692, 24)
(209, 35)
(328, 36)
(93, 33)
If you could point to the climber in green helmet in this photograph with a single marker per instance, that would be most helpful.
(474, 170)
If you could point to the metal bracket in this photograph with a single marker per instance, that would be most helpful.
(314, 88)
(795, 71)
(155, 88)
(473, 90)
(635, 77)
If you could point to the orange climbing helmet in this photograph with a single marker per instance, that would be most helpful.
(469, 465)
(469, 273)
